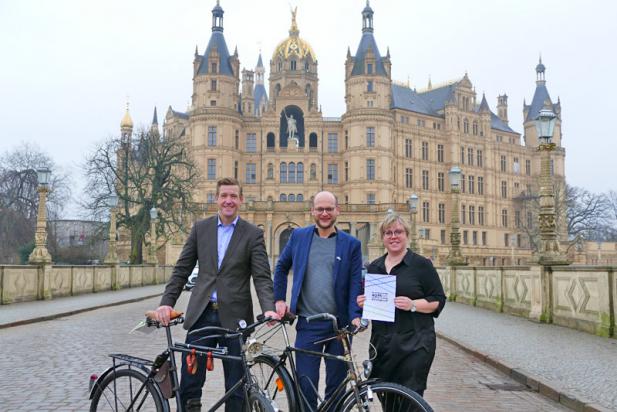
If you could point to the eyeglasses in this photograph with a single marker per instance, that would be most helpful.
(390, 233)
(320, 210)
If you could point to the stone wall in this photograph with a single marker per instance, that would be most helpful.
(579, 297)
(27, 283)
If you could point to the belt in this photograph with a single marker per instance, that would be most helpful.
(213, 305)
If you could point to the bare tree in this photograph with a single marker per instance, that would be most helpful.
(146, 171)
(19, 197)
(579, 213)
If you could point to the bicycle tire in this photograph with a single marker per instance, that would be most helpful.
(122, 385)
(386, 396)
(258, 402)
(270, 377)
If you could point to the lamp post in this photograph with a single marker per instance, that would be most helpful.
(455, 258)
(548, 252)
(112, 255)
(152, 249)
(40, 254)
(412, 202)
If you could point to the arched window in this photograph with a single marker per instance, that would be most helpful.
(283, 172)
(284, 238)
(270, 171)
(306, 66)
(300, 173)
(465, 126)
(277, 89)
(300, 197)
(292, 65)
(279, 67)
(270, 141)
(313, 141)
(291, 173)
(283, 197)
(291, 198)
(475, 128)
(313, 172)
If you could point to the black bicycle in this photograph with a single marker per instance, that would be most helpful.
(137, 384)
(356, 393)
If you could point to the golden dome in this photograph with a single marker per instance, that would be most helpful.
(126, 120)
(294, 46)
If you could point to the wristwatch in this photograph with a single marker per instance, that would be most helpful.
(413, 306)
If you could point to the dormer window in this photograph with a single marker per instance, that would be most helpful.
(213, 68)
(369, 68)
(292, 65)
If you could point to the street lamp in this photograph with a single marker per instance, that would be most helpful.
(455, 258)
(152, 249)
(412, 202)
(112, 255)
(548, 252)
(40, 254)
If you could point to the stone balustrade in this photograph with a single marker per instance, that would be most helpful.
(27, 283)
(579, 297)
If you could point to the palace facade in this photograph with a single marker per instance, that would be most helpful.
(392, 141)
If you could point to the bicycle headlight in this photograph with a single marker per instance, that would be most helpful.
(253, 348)
(368, 368)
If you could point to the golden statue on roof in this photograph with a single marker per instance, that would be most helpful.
(294, 46)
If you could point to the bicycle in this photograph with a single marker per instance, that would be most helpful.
(137, 384)
(363, 394)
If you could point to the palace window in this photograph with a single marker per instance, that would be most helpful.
(425, 179)
(472, 215)
(370, 169)
(211, 135)
(236, 167)
(463, 214)
(300, 172)
(251, 173)
(292, 65)
(332, 142)
(440, 153)
(213, 85)
(270, 172)
(504, 217)
(479, 159)
(332, 173)
(211, 169)
(462, 155)
(426, 212)
(481, 215)
(283, 172)
(480, 185)
(408, 148)
(503, 163)
(504, 189)
(484, 238)
(424, 150)
(251, 143)
(369, 86)
(370, 198)
(471, 188)
(408, 177)
(370, 137)
(441, 181)
(313, 172)
(346, 171)
(528, 167)
(470, 156)
(442, 213)
(291, 172)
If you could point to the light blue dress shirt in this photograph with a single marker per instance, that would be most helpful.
(224, 234)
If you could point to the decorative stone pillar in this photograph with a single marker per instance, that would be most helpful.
(40, 255)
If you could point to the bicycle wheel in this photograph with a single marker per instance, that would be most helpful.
(386, 397)
(258, 402)
(121, 387)
(275, 382)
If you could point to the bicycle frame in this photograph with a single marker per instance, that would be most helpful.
(150, 368)
(352, 375)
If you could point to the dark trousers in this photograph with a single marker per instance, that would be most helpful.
(307, 366)
(191, 385)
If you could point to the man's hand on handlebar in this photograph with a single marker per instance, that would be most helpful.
(163, 314)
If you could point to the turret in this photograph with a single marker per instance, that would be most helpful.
(126, 126)
(502, 107)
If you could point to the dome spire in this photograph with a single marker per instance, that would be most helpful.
(126, 121)
(294, 31)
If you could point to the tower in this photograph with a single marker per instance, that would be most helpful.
(260, 102)
(502, 107)
(368, 123)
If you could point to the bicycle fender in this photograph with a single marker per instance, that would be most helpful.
(110, 370)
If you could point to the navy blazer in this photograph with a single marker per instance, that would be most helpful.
(347, 271)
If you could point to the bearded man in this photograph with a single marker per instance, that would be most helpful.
(327, 278)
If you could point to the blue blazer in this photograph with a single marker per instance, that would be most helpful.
(347, 271)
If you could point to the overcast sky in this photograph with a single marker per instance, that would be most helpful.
(67, 66)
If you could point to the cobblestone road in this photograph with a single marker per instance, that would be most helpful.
(46, 366)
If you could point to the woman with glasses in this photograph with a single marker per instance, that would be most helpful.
(404, 349)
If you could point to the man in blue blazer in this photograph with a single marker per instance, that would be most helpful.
(327, 277)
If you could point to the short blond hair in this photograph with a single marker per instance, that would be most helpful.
(390, 219)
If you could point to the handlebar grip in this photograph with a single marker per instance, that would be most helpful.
(151, 314)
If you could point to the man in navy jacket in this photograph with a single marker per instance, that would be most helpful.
(327, 277)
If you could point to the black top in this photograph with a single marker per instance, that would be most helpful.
(416, 278)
